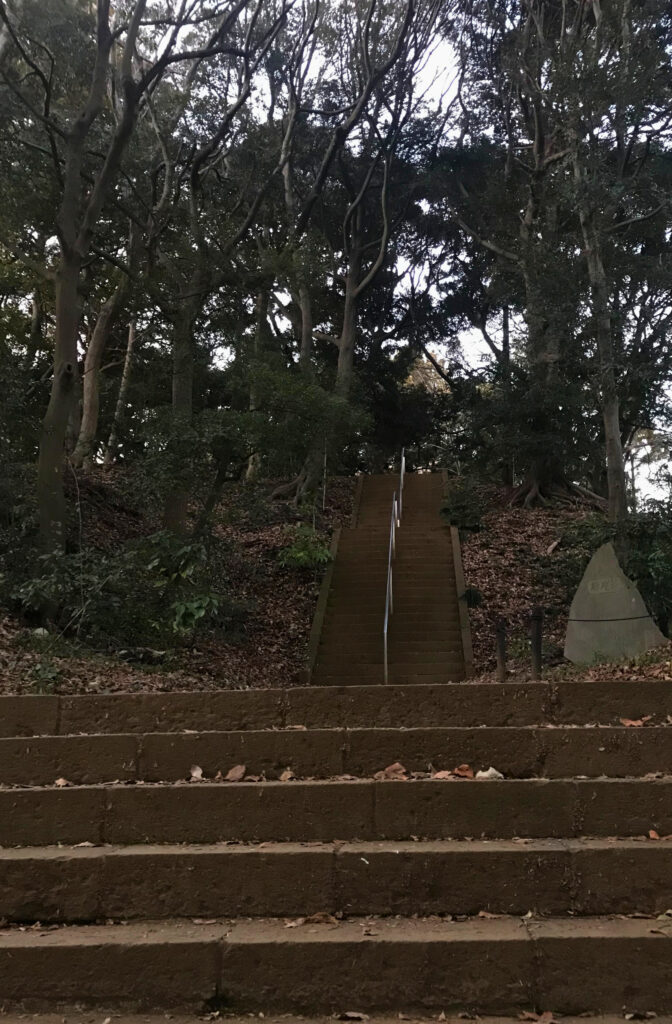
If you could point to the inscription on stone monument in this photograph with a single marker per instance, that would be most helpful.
(609, 585)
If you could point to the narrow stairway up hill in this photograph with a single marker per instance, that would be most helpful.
(425, 637)
(246, 852)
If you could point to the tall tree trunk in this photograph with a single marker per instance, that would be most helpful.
(348, 336)
(545, 472)
(306, 341)
(260, 347)
(109, 312)
(616, 480)
(36, 323)
(120, 407)
(50, 494)
(505, 367)
(191, 302)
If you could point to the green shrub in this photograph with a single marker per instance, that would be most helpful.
(307, 550)
(464, 505)
(157, 588)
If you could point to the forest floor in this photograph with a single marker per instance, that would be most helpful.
(518, 559)
(266, 646)
(522, 558)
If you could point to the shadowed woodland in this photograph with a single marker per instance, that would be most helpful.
(248, 248)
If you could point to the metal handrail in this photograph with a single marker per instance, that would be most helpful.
(389, 597)
(395, 522)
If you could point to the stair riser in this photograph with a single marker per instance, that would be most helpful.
(503, 971)
(571, 702)
(372, 642)
(395, 679)
(158, 882)
(372, 654)
(420, 613)
(324, 753)
(307, 812)
(440, 669)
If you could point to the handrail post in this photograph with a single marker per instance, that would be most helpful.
(500, 640)
(536, 631)
(395, 523)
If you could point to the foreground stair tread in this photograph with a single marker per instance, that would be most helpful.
(584, 876)
(462, 703)
(502, 965)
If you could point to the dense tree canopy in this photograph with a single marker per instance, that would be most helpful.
(241, 238)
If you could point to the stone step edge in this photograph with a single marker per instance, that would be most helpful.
(305, 811)
(516, 751)
(76, 1016)
(446, 877)
(572, 965)
(25, 715)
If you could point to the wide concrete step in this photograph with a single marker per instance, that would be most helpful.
(545, 876)
(78, 1016)
(308, 811)
(486, 966)
(517, 752)
(469, 704)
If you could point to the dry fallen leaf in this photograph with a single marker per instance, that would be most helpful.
(287, 775)
(61, 783)
(443, 775)
(635, 723)
(196, 774)
(489, 773)
(235, 774)
(321, 917)
(393, 773)
(653, 834)
(488, 916)
(301, 728)
(463, 771)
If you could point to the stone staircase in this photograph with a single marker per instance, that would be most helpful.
(151, 891)
(126, 886)
(426, 631)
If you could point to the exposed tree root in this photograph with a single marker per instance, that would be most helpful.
(298, 490)
(532, 494)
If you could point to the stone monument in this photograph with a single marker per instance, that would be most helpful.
(608, 619)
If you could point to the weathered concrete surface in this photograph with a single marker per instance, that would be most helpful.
(496, 966)
(77, 1016)
(516, 751)
(608, 618)
(328, 811)
(577, 876)
(422, 705)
